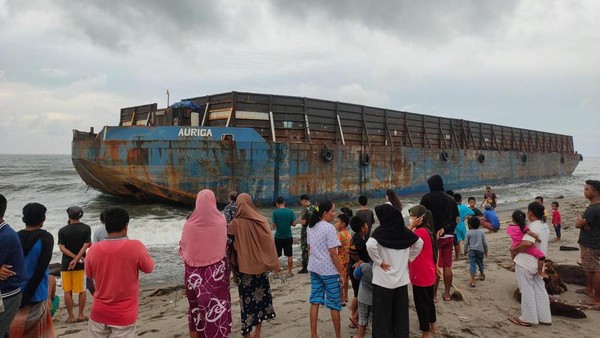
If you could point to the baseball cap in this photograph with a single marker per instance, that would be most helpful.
(75, 212)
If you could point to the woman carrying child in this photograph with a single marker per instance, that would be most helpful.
(516, 231)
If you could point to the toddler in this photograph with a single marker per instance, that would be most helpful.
(516, 232)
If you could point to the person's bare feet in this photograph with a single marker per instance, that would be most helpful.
(433, 329)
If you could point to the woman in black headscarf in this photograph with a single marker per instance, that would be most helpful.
(391, 247)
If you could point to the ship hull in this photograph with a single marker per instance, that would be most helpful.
(176, 169)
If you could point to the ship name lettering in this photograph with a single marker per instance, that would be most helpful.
(195, 132)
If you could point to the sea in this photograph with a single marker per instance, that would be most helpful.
(52, 181)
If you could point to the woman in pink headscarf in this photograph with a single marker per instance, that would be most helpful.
(202, 248)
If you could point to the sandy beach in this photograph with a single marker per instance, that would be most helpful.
(482, 313)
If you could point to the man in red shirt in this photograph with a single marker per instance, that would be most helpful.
(114, 265)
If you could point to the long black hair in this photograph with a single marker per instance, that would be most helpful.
(318, 213)
(393, 198)
(519, 218)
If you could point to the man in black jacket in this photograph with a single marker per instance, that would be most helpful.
(445, 213)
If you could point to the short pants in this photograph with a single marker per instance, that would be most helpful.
(365, 314)
(285, 245)
(590, 259)
(73, 280)
(325, 290)
(445, 245)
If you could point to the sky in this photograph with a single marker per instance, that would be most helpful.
(68, 65)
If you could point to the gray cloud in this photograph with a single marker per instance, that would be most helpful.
(427, 21)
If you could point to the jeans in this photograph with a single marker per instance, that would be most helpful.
(475, 257)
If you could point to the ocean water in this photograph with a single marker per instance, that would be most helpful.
(52, 181)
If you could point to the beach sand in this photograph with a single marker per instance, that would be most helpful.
(483, 313)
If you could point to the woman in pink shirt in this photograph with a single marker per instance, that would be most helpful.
(202, 248)
(422, 269)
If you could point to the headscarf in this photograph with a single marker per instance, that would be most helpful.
(391, 232)
(252, 239)
(204, 238)
(418, 211)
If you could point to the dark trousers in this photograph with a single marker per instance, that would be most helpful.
(557, 229)
(423, 297)
(390, 312)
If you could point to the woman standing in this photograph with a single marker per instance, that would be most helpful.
(392, 198)
(324, 266)
(391, 247)
(254, 256)
(422, 269)
(202, 248)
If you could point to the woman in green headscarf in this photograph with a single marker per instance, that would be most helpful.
(423, 268)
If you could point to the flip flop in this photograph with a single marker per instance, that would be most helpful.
(588, 303)
(482, 276)
(80, 320)
(472, 285)
(446, 300)
(353, 324)
(517, 321)
(581, 292)
(71, 321)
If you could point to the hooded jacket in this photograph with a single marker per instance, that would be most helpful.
(442, 206)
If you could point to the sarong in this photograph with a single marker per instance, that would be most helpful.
(207, 290)
(33, 321)
(256, 303)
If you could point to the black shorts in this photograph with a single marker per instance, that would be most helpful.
(285, 245)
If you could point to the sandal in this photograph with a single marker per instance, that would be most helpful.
(472, 285)
(353, 324)
(482, 276)
(517, 321)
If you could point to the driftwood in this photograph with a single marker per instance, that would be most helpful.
(554, 283)
(568, 248)
(558, 308)
(571, 274)
(166, 291)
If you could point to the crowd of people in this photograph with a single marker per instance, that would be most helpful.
(338, 249)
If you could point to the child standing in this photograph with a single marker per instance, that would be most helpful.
(358, 255)
(516, 231)
(364, 273)
(556, 220)
(345, 238)
(476, 246)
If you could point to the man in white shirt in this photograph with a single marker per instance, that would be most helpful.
(535, 304)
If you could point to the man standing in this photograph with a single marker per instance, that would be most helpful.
(304, 219)
(231, 209)
(73, 240)
(11, 271)
(489, 197)
(283, 220)
(445, 213)
(535, 305)
(33, 318)
(589, 241)
(114, 265)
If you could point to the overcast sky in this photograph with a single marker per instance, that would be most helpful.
(73, 64)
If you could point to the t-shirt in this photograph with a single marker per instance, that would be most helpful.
(358, 246)
(527, 261)
(516, 235)
(322, 237)
(463, 211)
(556, 219)
(283, 218)
(477, 212)
(100, 234)
(475, 241)
(367, 216)
(345, 241)
(37, 250)
(114, 265)
(364, 272)
(490, 198)
(397, 276)
(73, 236)
(491, 217)
(591, 238)
(422, 269)
(11, 254)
